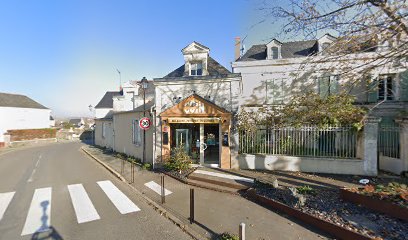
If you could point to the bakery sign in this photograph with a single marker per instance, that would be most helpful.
(194, 107)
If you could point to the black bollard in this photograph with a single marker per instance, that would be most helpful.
(191, 205)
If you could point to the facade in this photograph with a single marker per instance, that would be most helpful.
(21, 112)
(109, 110)
(194, 105)
(273, 72)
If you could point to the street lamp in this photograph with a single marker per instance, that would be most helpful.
(91, 109)
(144, 84)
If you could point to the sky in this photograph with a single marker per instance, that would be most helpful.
(64, 54)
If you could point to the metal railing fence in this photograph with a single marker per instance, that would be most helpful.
(305, 141)
(389, 140)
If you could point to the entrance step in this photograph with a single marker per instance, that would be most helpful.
(220, 180)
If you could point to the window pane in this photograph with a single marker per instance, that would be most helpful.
(390, 95)
(199, 71)
(381, 89)
(275, 52)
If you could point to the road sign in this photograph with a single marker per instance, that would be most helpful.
(145, 123)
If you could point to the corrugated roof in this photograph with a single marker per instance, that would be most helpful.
(214, 69)
(19, 101)
(107, 101)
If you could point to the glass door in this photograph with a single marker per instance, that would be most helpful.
(211, 144)
(182, 139)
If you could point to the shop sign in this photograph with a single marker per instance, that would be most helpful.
(194, 107)
(194, 120)
(145, 123)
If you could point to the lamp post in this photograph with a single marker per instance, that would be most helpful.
(144, 84)
(91, 109)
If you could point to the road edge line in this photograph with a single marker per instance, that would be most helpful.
(185, 228)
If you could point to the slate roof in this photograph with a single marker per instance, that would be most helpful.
(18, 101)
(214, 69)
(107, 101)
(75, 121)
(138, 109)
(288, 50)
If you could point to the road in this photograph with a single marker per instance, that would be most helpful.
(57, 192)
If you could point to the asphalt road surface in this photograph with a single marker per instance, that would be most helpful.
(57, 192)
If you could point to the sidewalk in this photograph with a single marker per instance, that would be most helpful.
(215, 212)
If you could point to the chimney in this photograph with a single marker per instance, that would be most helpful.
(237, 49)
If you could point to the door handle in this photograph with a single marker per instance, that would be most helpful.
(204, 145)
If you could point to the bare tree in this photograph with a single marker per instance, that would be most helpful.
(375, 32)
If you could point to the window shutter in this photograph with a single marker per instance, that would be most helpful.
(323, 86)
(334, 84)
(403, 86)
(133, 131)
(372, 89)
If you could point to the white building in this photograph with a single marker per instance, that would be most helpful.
(21, 112)
(272, 73)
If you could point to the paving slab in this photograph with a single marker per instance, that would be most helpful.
(215, 212)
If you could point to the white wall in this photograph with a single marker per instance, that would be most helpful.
(108, 139)
(23, 118)
(103, 112)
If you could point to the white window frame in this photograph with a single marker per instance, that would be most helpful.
(194, 67)
(136, 133)
(384, 78)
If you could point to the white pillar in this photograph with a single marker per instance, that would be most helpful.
(403, 142)
(370, 146)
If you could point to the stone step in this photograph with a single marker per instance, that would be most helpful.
(221, 179)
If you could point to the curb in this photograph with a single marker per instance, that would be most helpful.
(192, 233)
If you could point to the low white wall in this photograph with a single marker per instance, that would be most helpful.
(12, 118)
(304, 164)
(390, 164)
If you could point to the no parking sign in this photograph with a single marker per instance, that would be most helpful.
(145, 123)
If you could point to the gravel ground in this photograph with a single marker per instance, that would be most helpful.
(326, 204)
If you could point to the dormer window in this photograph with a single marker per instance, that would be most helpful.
(275, 52)
(325, 46)
(196, 69)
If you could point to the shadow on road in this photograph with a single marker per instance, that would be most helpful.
(45, 231)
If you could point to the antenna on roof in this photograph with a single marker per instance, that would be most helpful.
(120, 80)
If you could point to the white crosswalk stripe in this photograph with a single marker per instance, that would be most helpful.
(84, 209)
(39, 215)
(5, 199)
(157, 188)
(118, 198)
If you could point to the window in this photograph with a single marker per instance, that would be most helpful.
(385, 87)
(136, 138)
(324, 46)
(196, 69)
(328, 85)
(274, 52)
(103, 130)
(278, 91)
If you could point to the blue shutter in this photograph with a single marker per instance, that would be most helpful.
(372, 93)
(324, 86)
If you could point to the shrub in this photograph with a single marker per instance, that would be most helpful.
(306, 190)
(146, 166)
(179, 160)
(228, 236)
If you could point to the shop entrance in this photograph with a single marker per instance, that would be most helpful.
(211, 144)
(200, 141)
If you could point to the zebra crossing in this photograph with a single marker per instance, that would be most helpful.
(38, 218)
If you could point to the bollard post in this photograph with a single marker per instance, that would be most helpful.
(191, 205)
(242, 231)
(163, 195)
